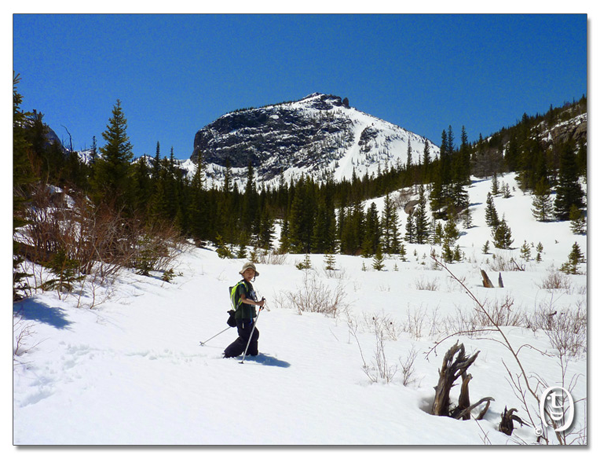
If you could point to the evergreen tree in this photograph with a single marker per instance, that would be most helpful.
(410, 228)
(402, 251)
(421, 220)
(539, 249)
(156, 164)
(65, 270)
(323, 239)
(577, 218)
(532, 165)
(143, 185)
(23, 177)
(464, 171)
(447, 254)
(582, 158)
(266, 230)
(329, 262)
(568, 189)
(575, 259)
(378, 259)
(457, 255)
(93, 151)
(301, 220)
(495, 187)
(389, 226)
(284, 240)
(159, 203)
(512, 153)
(502, 235)
(491, 215)
(438, 232)
(486, 247)
(227, 185)
(353, 231)
(111, 177)
(426, 162)
(250, 210)
(459, 198)
(305, 264)
(526, 251)
(542, 201)
(467, 218)
(451, 233)
(198, 208)
(371, 237)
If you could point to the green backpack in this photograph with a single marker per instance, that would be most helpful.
(236, 300)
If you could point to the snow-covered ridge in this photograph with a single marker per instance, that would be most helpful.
(319, 135)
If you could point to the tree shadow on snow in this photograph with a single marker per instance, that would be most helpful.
(30, 309)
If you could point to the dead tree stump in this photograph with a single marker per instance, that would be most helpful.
(487, 283)
(453, 368)
(506, 421)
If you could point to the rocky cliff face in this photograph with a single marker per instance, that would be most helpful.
(319, 135)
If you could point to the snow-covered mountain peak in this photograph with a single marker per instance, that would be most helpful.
(319, 135)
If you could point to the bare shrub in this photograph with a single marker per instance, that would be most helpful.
(86, 233)
(502, 262)
(339, 274)
(100, 239)
(383, 322)
(95, 241)
(566, 329)
(156, 248)
(501, 312)
(315, 296)
(408, 367)
(415, 320)
(272, 258)
(22, 331)
(556, 280)
(423, 283)
(379, 370)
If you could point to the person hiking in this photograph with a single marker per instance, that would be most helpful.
(245, 314)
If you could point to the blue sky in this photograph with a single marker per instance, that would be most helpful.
(174, 74)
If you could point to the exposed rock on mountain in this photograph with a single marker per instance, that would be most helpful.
(320, 135)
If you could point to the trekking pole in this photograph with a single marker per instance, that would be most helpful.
(251, 333)
(202, 343)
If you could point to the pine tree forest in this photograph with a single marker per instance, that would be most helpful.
(151, 194)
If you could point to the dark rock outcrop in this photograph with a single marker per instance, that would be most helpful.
(291, 134)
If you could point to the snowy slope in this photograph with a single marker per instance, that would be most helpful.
(316, 136)
(131, 370)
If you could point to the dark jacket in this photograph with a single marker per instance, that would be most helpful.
(245, 311)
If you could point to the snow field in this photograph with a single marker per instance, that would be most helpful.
(131, 370)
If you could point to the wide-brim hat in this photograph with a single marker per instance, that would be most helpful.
(247, 266)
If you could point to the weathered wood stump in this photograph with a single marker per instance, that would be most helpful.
(506, 421)
(453, 368)
(487, 283)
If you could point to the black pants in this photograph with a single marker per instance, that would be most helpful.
(239, 345)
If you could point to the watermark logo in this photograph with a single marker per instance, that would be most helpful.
(557, 408)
